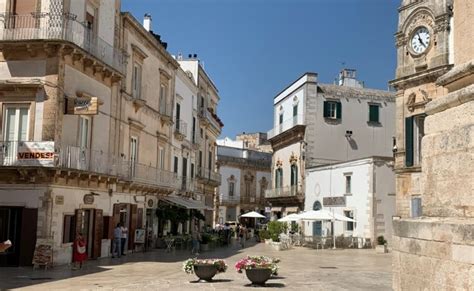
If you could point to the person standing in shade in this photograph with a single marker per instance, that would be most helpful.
(196, 236)
(117, 250)
(123, 240)
(243, 235)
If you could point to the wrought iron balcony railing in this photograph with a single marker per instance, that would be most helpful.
(60, 27)
(288, 191)
(207, 174)
(286, 125)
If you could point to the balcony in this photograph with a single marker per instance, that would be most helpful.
(180, 129)
(211, 177)
(286, 125)
(71, 158)
(187, 184)
(227, 200)
(208, 118)
(289, 191)
(51, 27)
(166, 112)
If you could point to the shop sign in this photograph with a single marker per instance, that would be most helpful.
(338, 201)
(33, 153)
(88, 199)
(150, 203)
(82, 106)
(268, 209)
(59, 200)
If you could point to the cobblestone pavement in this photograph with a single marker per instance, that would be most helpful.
(300, 269)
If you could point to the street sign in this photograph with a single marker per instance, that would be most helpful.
(338, 201)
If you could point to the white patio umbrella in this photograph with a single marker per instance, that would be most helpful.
(289, 218)
(324, 215)
(252, 214)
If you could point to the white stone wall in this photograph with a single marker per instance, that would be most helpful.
(226, 172)
(330, 181)
(284, 155)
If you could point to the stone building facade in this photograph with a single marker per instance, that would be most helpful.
(87, 121)
(433, 242)
(317, 124)
(245, 177)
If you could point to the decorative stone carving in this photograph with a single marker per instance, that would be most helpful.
(412, 102)
(293, 159)
(279, 163)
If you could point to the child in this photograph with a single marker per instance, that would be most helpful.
(79, 251)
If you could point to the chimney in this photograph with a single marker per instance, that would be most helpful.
(147, 22)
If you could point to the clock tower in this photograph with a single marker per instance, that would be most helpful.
(433, 245)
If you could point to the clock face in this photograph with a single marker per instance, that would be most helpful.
(420, 40)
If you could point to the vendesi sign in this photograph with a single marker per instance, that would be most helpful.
(82, 106)
(337, 201)
(36, 153)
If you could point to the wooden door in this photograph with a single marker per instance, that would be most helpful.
(133, 225)
(97, 236)
(79, 216)
(29, 221)
(115, 219)
(140, 218)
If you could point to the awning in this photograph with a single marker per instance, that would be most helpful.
(291, 209)
(186, 203)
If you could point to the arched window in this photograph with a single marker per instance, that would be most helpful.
(294, 175)
(317, 206)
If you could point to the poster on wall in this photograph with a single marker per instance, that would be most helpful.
(139, 236)
(33, 153)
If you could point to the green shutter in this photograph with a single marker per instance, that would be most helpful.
(338, 110)
(373, 113)
(326, 109)
(409, 141)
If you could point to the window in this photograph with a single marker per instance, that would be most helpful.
(348, 184)
(349, 224)
(162, 158)
(133, 154)
(15, 123)
(295, 110)
(414, 132)
(210, 161)
(332, 110)
(84, 132)
(185, 167)
(194, 130)
(68, 228)
(279, 178)
(416, 207)
(200, 159)
(137, 80)
(280, 121)
(192, 170)
(294, 175)
(374, 113)
(231, 188)
(175, 165)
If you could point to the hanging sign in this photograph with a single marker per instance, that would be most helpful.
(82, 106)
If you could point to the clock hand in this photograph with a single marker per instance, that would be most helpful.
(420, 40)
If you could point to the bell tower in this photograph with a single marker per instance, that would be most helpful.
(423, 55)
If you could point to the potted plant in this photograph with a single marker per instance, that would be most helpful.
(205, 239)
(258, 268)
(265, 236)
(381, 245)
(204, 269)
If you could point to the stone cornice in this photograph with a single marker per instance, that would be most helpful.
(423, 77)
(458, 72)
(451, 100)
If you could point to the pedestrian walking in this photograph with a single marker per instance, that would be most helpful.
(117, 250)
(196, 237)
(79, 251)
(123, 240)
(243, 235)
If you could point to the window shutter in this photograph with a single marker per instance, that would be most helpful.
(376, 113)
(338, 110)
(373, 113)
(409, 141)
(326, 109)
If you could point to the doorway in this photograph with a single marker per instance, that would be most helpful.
(89, 222)
(18, 225)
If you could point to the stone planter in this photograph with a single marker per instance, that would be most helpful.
(381, 249)
(205, 272)
(204, 247)
(268, 241)
(258, 276)
(276, 246)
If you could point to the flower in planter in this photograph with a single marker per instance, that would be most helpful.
(257, 262)
(188, 265)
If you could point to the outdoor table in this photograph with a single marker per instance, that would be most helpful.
(169, 244)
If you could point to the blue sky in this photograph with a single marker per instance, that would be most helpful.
(252, 49)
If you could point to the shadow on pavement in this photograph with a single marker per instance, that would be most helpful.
(11, 278)
(267, 285)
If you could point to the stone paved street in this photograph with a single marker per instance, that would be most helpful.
(300, 269)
